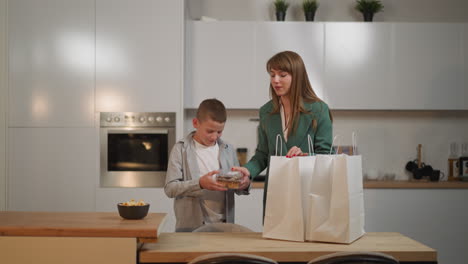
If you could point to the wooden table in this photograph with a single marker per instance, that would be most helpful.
(88, 237)
(183, 247)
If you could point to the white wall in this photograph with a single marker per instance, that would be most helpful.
(3, 102)
(332, 10)
(386, 139)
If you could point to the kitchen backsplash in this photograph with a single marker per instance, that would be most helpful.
(385, 139)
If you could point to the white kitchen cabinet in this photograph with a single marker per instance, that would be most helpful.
(351, 65)
(228, 59)
(3, 101)
(431, 216)
(428, 63)
(249, 210)
(358, 59)
(51, 63)
(52, 169)
(415, 66)
(139, 55)
(221, 58)
(304, 38)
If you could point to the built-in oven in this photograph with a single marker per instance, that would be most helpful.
(134, 148)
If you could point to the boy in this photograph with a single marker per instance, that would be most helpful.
(193, 162)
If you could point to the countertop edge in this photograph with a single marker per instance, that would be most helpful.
(422, 184)
(79, 224)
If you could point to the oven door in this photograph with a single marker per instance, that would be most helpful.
(135, 157)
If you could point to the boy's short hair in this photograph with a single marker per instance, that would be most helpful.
(213, 109)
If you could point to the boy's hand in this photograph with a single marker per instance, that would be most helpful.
(208, 182)
(245, 179)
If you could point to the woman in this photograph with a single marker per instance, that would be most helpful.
(294, 112)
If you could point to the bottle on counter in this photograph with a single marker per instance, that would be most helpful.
(453, 170)
(463, 163)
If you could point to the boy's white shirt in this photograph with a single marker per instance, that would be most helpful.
(213, 202)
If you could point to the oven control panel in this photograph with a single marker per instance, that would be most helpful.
(137, 119)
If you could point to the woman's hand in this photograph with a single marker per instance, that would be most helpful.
(245, 177)
(295, 151)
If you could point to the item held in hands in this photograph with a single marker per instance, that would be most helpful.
(230, 180)
(133, 209)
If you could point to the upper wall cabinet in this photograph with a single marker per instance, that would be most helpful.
(395, 66)
(351, 65)
(358, 71)
(227, 60)
(429, 67)
(221, 58)
(51, 63)
(139, 55)
(306, 39)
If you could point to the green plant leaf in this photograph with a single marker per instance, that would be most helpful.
(309, 6)
(281, 5)
(369, 6)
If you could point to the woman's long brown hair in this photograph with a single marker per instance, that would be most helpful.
(301, 91)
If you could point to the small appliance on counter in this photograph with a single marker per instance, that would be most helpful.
(464, 168)
(463, 163)
(453, 161)
(420, 170)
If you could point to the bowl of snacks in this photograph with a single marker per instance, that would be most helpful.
(133, 209)
(230, 180)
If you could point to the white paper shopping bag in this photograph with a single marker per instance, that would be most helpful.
(284, 217)
(319, 195)
(336, 212)
(306, 166)
(283, 210)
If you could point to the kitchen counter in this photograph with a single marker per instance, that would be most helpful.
(183, 247)
(421, 184)
(72, 224)
(74, 238)
(416, 184)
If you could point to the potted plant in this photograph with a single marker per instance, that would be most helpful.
(309, 7)
(281, 6)
(368, 8)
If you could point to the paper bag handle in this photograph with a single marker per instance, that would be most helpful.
(276, 147)
(354, 143)
(310, 142)
(333, 143)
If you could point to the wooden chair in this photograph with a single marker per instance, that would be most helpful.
(222, 227)
(355, 258)
(231, 258)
